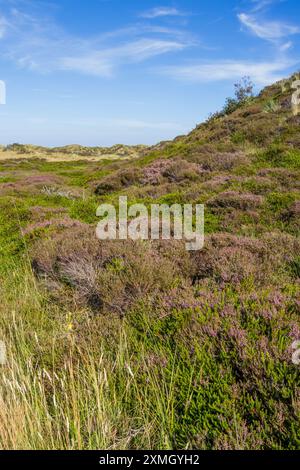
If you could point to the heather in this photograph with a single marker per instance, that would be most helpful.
(130, 345)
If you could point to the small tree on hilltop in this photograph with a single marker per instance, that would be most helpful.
(243, 89)
(243, 92)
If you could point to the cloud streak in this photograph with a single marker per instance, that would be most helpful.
(104, 62)
(38, 44)
(262, 73)
(35, 42)
(262, 4)
(159, 12)
(268, 30)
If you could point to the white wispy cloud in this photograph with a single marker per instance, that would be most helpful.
(161, 11)
(103, 62)
(269, 30)
(262, 4)
(262, 73)
(39, 44)
(286, 46)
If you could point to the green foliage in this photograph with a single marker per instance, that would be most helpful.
(171, 198)
(279, 201)
(295, 267)
(238, 137)
(84, 210)
(271, 106)
(279, 156)
(230, 106)
(212, 222)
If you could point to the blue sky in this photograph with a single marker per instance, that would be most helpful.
(100, 72)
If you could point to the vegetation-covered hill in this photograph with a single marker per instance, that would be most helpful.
(73, 151)
(143, 344)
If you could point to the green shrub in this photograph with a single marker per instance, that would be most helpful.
(238, 137)
(295, 267)
(278, 155)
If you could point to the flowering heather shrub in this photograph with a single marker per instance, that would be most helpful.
(134, 271)
(43, 179)
(236, 200)
(228, 337)
(7, 188)
(216, 182)
(66, 222)
(119, 180)
(239, 337)
(30, 184)
(259, 185)
(45, 252)
(293, 212)
(240, 221)
(153, 173)
(180, 170)
(227, 264)
(260, 131)
(184, 299)
(152, 192)
(122, 272)
(38, 213)
(173, 170)
(283, 177)
(231, 259)
(282, 243)
(175, 252)
(220, 161)
(294, 333)
(108, 276)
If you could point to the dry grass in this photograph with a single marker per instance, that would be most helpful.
(78, 400)
(61, 157)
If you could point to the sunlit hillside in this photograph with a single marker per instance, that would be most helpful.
(130, 345)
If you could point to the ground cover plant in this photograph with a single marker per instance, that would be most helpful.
(130, 345)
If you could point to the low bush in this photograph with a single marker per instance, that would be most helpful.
(108, 276)
(236, 200)
(119, 180)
